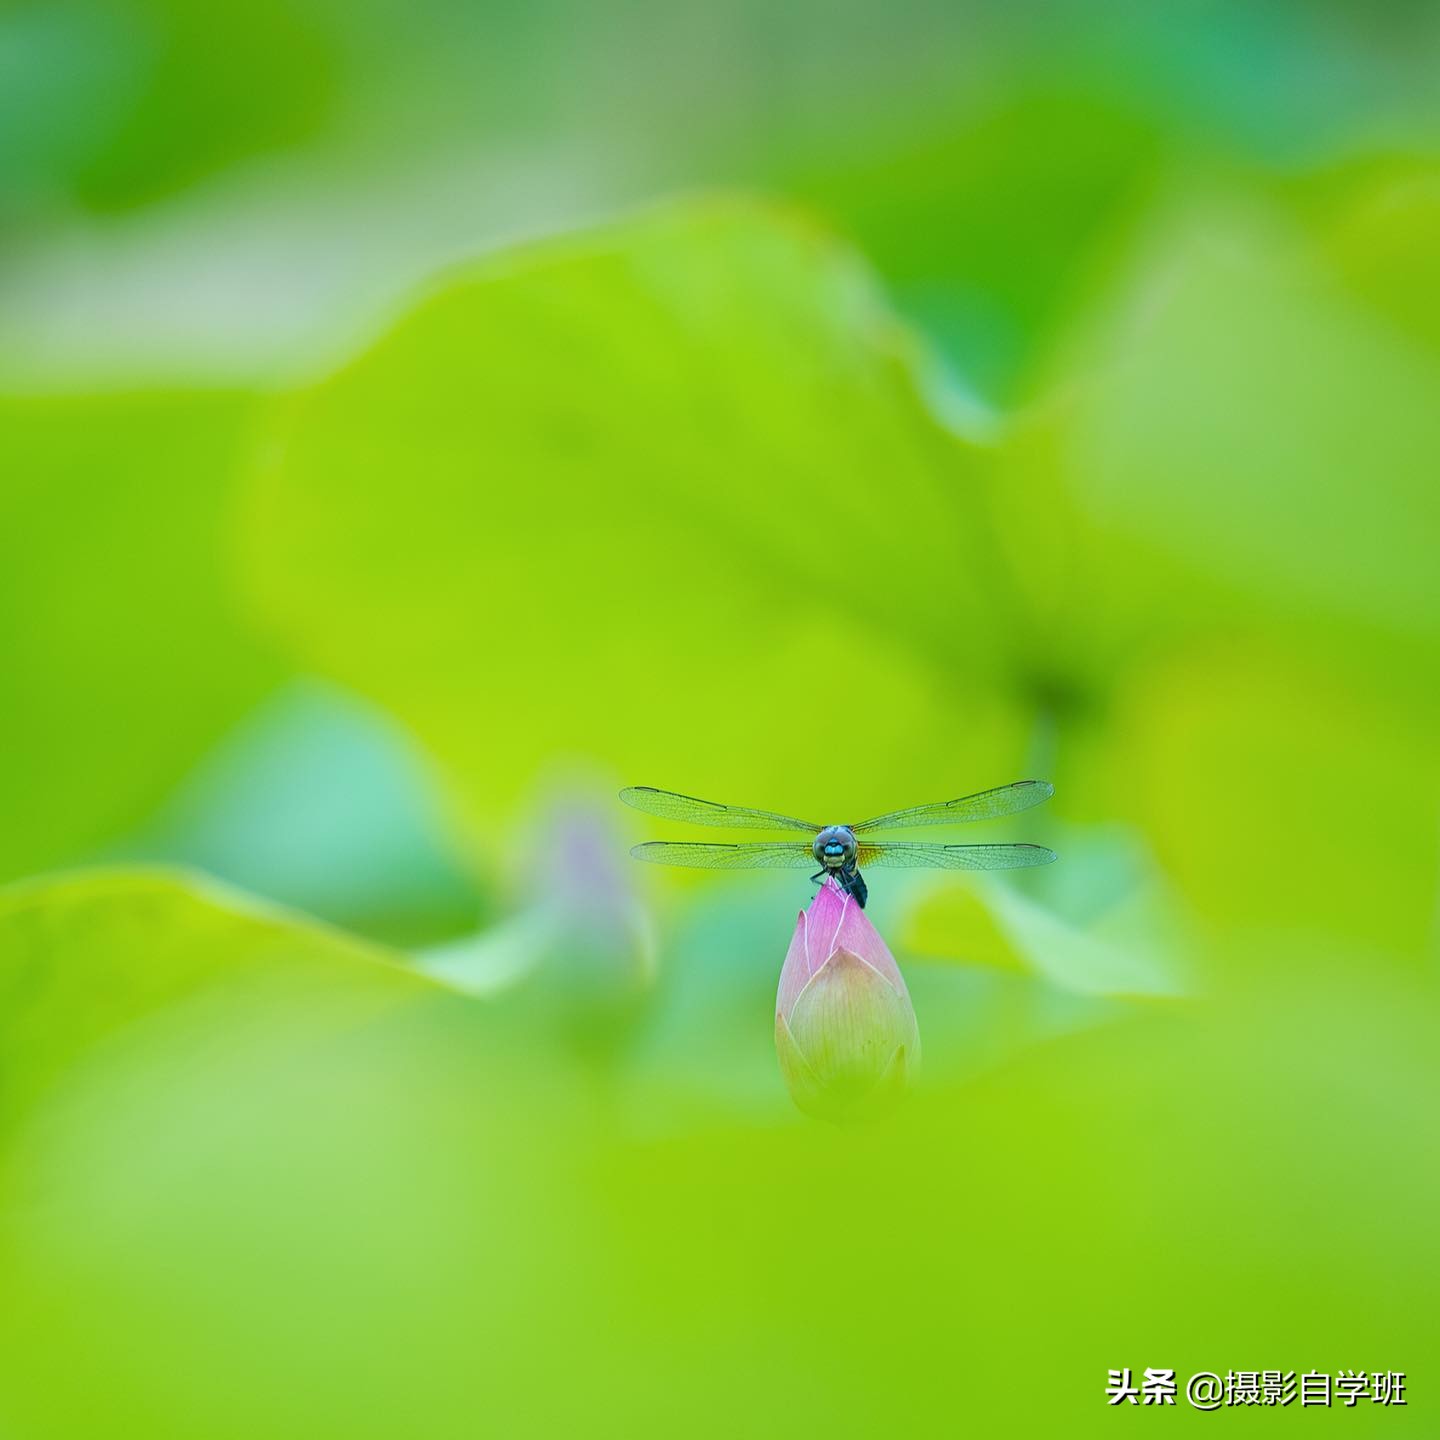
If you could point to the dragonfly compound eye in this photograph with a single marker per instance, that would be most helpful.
(834, 847)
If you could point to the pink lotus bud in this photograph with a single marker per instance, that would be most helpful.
(844, 1026)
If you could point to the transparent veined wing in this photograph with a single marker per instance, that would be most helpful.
(778, 856)
(987, 805)
(670, 806)
(951, 857)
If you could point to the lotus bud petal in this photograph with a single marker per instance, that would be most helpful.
(845, 1030)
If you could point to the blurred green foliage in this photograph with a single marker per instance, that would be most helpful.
(821, 408)
(673, 555)
(124, 654)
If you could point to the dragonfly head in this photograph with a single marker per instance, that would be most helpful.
(835, 847)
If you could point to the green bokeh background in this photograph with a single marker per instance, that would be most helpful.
(418, 421)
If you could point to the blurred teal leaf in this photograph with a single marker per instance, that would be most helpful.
(149, 96)
(990, 226)
(319, 803)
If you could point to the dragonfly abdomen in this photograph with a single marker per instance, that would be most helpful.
(853, 883)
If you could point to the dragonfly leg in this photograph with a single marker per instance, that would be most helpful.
(848, 880)
(852, 884)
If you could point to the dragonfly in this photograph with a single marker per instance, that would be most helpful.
(841, 851)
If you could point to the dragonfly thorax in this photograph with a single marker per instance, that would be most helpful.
(835, 847)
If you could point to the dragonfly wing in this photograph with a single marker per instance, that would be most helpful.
(670, 806)
(987, 805)
(952, 857)
(777, 856)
